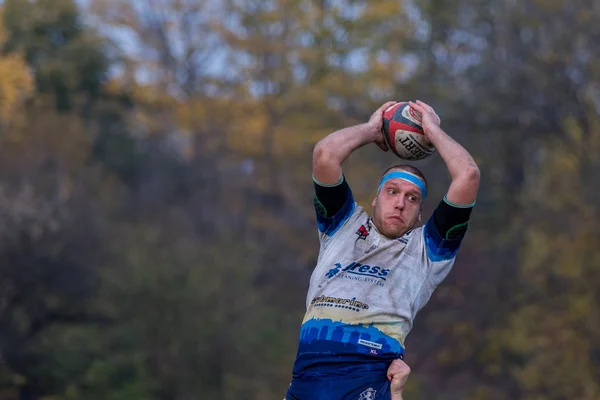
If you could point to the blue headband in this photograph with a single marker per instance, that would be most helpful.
(407, 177)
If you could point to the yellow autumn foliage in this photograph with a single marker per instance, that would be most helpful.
(16, 80)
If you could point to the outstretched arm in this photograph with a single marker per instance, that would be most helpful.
(460, 164)
(331, 152)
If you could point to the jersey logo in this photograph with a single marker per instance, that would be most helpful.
(362, 232)
(363, 271)
(333, 271)
(368, 394)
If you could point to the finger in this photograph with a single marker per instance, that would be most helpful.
(393, 376)
(383, 147)
(427, 106)
(417, 107)
(399, 367)
(386, 106)
(390, 371)
(398, 363)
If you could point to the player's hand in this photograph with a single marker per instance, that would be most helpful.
(429, 119)
(376, 123)
(398, 373)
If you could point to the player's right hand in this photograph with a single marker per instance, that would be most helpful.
(398, 373)
(375, 124)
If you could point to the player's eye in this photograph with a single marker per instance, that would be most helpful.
(412, 198)
(391, 191)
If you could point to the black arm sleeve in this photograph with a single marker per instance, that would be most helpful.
(331, 198)
(450, 221)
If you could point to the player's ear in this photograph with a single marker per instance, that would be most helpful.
(420, 216)
(374, 202)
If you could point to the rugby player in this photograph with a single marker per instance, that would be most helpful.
(375, 272)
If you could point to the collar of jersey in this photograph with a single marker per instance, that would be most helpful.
(372, 225)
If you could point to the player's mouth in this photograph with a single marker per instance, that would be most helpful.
(396, 218)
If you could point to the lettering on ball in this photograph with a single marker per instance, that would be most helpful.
(412, 147)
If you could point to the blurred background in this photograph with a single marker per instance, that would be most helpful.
(156, 224)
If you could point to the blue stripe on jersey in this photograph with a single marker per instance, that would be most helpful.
(326, 345)
(438, 248)
(325, 336)
(330, 225)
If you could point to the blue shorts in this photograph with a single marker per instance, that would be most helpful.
(345, 383)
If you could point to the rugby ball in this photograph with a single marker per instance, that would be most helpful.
(404, 134)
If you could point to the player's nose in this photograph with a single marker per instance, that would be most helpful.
(399, 204)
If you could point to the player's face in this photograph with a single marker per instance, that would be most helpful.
(397, 208)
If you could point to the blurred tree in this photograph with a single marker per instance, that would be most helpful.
(557, 319)
(71, 70)
(68, 59)
(16, 83)
(53, 200)
(537, 76)
(157, 234)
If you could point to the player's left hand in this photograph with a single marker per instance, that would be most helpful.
(429, 119)
(398, 373)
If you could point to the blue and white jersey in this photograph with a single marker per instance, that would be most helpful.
(367, 289)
